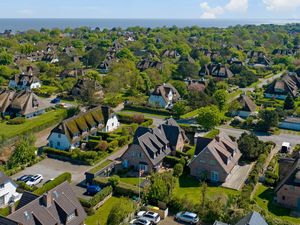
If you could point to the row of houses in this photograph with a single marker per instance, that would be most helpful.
(70, 132)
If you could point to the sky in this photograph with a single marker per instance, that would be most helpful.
(151, 9)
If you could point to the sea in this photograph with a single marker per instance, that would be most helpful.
(19, 25)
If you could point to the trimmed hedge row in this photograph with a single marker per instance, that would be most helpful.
(122, 188)
(147, 109)
(97, 197)
(88, 157)
(129, 119)
(52, 184)
(171, 160)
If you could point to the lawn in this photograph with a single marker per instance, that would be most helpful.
(101, 215)
(132, 180)
(189, 188)
(264, 198)
(9, 131)
(150, 115)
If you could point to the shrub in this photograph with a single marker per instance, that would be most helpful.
(113, 145)
(22, 186)
(92, 144)
(138, 118)
(102, 146)
(96, 198)
(16, 121)
(52, 184)
(178, 170)
(125, 189)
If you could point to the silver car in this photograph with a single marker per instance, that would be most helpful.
(150, 216)
(187, 217)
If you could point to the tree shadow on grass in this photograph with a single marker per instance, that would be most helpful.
(188, 181)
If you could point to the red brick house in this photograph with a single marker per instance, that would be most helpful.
(288, 190)
(214, 158)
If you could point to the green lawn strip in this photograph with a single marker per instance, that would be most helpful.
(132, 180)
(212, 134)
(101, 215)
(264, 198)
(232, 96)
(189, 187)
(100, 166)
(191, 114)
(9, 131)
(145, 114)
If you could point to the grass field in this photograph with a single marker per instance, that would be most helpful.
(264, 198)
(9, 131)
(132, 180)
(101, 215)
(189, 188)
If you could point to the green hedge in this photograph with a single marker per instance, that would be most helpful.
(125, 189)
(97, 197)
(22, 186)
(52, 184)
(151, 110)
(88, 157)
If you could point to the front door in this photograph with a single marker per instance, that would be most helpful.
(214, 176)
(143, 167)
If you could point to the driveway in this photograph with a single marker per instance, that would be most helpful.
(51, 168)
(170, 221)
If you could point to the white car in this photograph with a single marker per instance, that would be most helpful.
(140, 221)
(150, 216)
(187, 217)
(34, 180)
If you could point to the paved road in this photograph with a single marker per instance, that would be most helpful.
(278, 139)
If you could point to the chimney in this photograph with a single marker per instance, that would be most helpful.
(46, 200)
(217, 138)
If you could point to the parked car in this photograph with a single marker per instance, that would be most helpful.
(140, 222)
(187, 217)
(93, 189)
(34, 180)
(55, 100)
(150, 216)
(286, 147)
(24, 178)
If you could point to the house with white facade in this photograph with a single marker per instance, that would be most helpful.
(25, 81)
(8, 193)
(164, 96)
(69, 133)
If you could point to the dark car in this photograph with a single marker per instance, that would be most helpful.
(93, 189)
(24, 178)
(55, 100)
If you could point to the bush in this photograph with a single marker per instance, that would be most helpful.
(178, 170)
(54, 183)
(97, 197)
(113, 145)
(102, 146)
(22, 186)
(16, 121)
(138, 118)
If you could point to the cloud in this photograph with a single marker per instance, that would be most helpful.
(210, 12)
(281, 5)
(232, 6)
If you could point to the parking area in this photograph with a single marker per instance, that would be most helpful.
(51, 168)
(169, 221)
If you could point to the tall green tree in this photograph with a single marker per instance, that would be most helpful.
(209, 117)
(24, 152)
(221, 97)
(289, 102)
